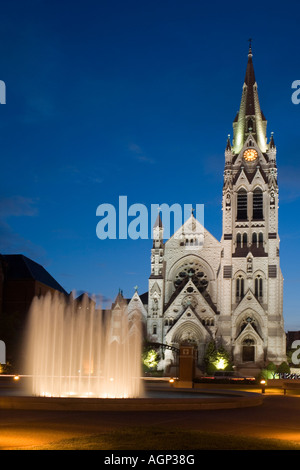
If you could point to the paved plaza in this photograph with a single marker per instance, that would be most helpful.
(278, 417)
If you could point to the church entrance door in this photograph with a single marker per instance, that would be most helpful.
(248, 354)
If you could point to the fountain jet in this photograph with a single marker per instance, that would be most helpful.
(76, 350)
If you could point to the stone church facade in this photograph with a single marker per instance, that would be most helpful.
(228, 291)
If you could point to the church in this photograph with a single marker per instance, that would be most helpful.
(228, 291)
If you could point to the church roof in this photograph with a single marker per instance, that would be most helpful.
(144, 298)
(19, 267)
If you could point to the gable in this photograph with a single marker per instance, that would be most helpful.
(188, 326)
(248, 332)
(250, 143)
(192, 229)
(246, 177)
(189, 295)
(135, 304)
(249, 301)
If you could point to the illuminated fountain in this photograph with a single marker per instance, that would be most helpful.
(75, 350)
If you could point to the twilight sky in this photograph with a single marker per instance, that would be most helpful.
(135, 98)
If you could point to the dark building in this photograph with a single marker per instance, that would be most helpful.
(291, 336)
(21, 279)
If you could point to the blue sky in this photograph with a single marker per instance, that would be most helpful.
(136, 98)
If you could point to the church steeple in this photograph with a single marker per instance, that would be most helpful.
(249, 119)
(250, 75)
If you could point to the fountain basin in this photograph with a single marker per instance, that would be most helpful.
(159, 400)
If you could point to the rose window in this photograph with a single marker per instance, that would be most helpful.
(193, 271)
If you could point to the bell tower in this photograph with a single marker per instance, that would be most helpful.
(251, 283)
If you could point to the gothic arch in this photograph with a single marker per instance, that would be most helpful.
(183, 262)
(168, 321)
(239, 285)
(252, 318)
(187, 331)
(240, 272)
(188, 259)
(257, 203)
(241, 204)
(260, 285)
(258, 186)
(248, 337)
(242, 187)
(249, 318)
(261, 272)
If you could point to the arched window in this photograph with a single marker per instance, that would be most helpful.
(260, 239)
(258, 204)
(250, 125)
(239, 288)
(242, 207)
(254, 238)
(238, 240)
(244, 240)
(154, 329)
(258, 287)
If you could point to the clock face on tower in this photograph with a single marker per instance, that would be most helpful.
(250, 155)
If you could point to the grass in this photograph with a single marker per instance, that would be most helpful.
(152, 438)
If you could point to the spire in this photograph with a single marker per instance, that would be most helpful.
(272, 143)
(249, 119)
(250, 82)
(228, 146)
(119, 300)
(158, 230)
(250, 75)
(158, 222)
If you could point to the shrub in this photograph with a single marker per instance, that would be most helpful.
(283, 368)
(216, 359)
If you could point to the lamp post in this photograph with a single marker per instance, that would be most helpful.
(263, 385)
